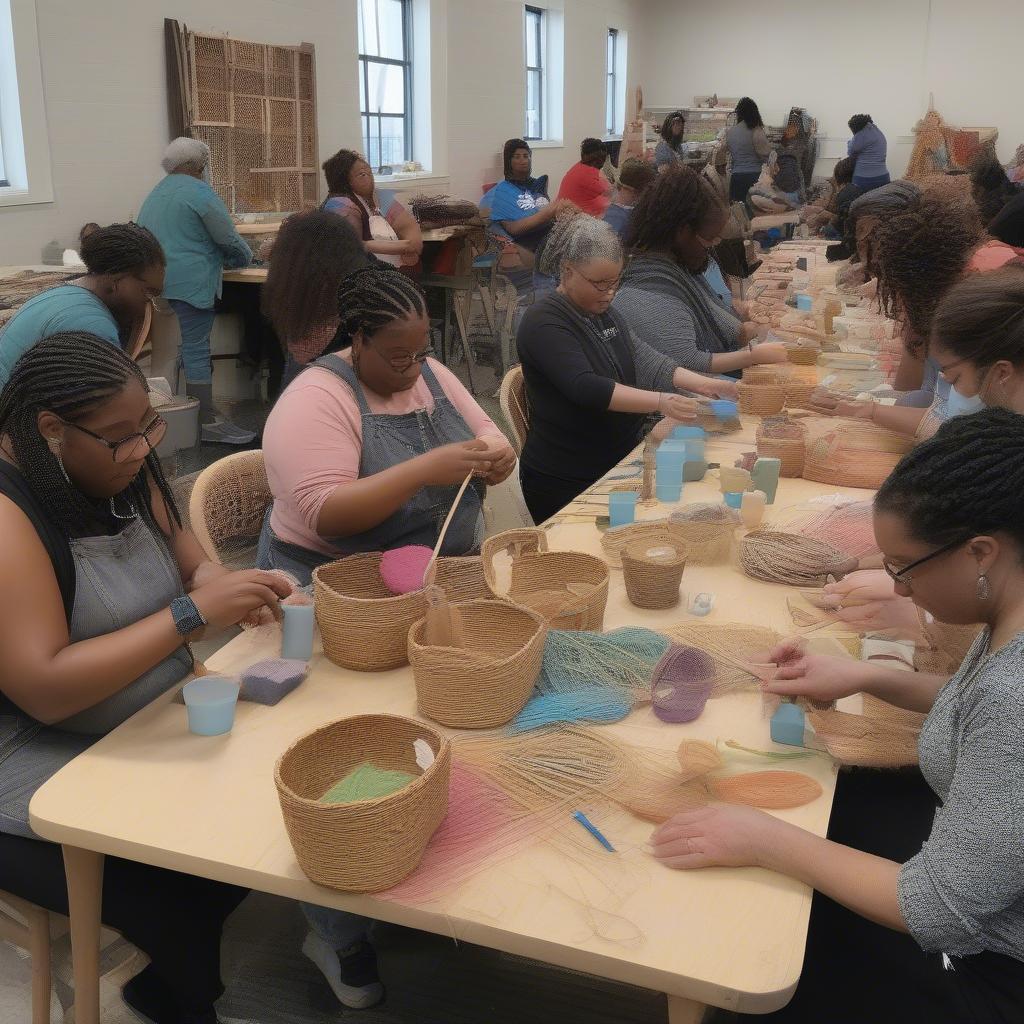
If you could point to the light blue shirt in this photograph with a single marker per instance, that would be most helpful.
(716, 279)
(198, 238)
(64, 308)
(868, 148)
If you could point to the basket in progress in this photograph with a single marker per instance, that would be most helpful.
(761, 399)
(569, 589)
(854, 454)
(487, 681)
(367, 845)
(706, 543)
(363, 625)
(618, 538)
(798, 394)
(803, 355)
(653, 572)
(462, 579)
(784, 440)
(771, 373)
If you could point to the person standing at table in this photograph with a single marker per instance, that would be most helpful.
(868, 149)
(387, 228)
(124, 274)
(366, 449)
(671, 148)
(748, 149)
(584, 184)
(101, 588)
(931, 930)
(199, 240)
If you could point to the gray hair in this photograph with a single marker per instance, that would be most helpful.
(184, 151)
(578, 238)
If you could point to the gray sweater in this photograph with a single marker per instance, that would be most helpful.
(964, 892)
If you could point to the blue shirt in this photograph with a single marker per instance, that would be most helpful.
(714, 277)
(617, 218)
(197, 235)
(514, 202)
(868, 147)
(64, 308)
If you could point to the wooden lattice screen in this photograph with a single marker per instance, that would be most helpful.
(254, 105)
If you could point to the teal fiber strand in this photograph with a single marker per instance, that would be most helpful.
(590, 704)
(622, 660)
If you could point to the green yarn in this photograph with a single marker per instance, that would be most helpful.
(367, 782)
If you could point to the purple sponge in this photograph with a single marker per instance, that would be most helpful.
(268, 681)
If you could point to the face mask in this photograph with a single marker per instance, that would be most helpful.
(961, 405)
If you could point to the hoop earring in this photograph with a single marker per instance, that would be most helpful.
(56, 445)
(983, 590)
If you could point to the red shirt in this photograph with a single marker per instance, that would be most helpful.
(587, 187)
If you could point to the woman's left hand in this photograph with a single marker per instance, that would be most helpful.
(718, 836)
(205, 572)
(504, 461)
(718, 387)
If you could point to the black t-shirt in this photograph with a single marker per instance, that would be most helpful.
(571, 364)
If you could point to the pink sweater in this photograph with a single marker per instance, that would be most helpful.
(313, 441)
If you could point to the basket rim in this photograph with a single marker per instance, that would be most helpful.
(680, 559)
(539, 622)
(443, 752)
(319, 582)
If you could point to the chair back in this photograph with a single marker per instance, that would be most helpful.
(229, 501)
(514, 407)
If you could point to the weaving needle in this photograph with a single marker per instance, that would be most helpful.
(593, 830)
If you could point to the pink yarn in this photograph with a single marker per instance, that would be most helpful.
(402, 569)
(682, 684)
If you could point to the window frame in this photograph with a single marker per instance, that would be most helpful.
(611, 82)
(540, 69)
(406, 64)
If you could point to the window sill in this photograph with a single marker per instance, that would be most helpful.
(24, 196)
(612, 138)
(397, 179)
(546, 144)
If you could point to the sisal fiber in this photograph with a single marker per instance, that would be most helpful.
(788, 558)
(773, 790)
(366, 782)
(682, 683)
(863, 741)
(587, 704)
(846, 527)
(732, 649)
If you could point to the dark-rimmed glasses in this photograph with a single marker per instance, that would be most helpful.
(402, 363)
(902, 577)
(134, 445)
(605, 287)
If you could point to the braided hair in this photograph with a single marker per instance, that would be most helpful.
(71, 374)
(679, 197)
(373, 297)
(963, 481)
(121, 249)
(919, 255)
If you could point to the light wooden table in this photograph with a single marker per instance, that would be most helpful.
(152, 792)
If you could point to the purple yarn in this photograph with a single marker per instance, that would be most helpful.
(270, 680)
(682, 683)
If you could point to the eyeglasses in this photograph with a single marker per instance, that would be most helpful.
(402, 363)
(902, 577)
(708, 244)
(605, 287)
(134, 445)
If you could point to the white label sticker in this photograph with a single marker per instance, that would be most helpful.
(424, 753)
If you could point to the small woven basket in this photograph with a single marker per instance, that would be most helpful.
(803, 355)
(706, 543)
(789, 451)
(798, 394)
(461, 579)
(761, 399)
(653, 573)
(363, 625)
(772, 373)
(366, 845)
(486, 682)
(655, 531)
(568, 589)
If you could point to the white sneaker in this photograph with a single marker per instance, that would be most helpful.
(226, 432)
(351, 973)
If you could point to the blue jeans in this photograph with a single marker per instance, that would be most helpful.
(196, 325)
(870, 184)
(337, 928)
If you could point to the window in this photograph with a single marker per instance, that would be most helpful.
(611, 83)
(534, 73)
(4, 183)
(385, 81)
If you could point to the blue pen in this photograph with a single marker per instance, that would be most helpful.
(593, 830)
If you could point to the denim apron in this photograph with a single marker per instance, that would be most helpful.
(389, 440)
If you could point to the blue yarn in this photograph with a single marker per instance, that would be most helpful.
(590, 704)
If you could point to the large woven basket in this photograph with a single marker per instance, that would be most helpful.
(363, 625)
(789, 451)
(568, 589)
(487, 681)
(855, 454)
(803, 355)
(798, 394)
(461, 579)
(653, 572)
(706, 543)
(368, 845)
(761, 399)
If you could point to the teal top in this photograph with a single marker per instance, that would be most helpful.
(198, 238)
(64, 308)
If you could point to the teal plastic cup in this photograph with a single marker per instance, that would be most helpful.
(210, 702)
(734, 499)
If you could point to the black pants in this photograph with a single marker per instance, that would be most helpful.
(545, 495)
(175, 919)
(857, 972)
(740, 184)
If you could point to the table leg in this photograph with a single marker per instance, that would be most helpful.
(685, 1011)
(84, 871)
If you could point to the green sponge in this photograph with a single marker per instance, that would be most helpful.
(367, 782)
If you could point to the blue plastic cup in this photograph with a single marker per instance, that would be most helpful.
(695, 449)
(669, 493)
(733, 498)
(686, 433)
(297, 631)
(668, 470)
(622, 507)
(805, 303)
(210, 701)
(723, 409)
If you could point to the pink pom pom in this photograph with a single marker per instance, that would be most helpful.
(402, 569)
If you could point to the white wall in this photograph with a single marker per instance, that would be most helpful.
(836, 58)
(105, 90)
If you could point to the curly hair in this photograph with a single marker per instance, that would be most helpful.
(666, 128)
(747, 112)
(918, 255)
(991, 187)
(678, 198)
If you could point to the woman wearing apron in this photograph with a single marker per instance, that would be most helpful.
(387, 228)
(100, 588)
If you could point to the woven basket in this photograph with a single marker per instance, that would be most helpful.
(363, 625)
(855, 454)
(486, 682)
(568, 589)
(706, 543)
(711, 424)
(761, 399)
(789, 451)
(798, 394)
(773, 373)
(803, 355)
(649, 531)
(368, 845)
(461, 579)
(653, 573)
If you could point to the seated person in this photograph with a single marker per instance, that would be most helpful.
(387, 228)
(671, 149)
(665, 299)
(767, 195)
(124, 273)
(634, 176)
(584, 184)
(366, 449)
(829, 219)
(101, 589)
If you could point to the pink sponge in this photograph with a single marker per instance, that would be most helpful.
(402, 569)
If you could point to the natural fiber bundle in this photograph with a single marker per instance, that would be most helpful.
(707, 543)
(697, 758)
(882, 711)
(705, 512)
(363, 625)
(654, 790)
(733, 648)
(854, 454)
(847, 527)
(569, 589)
(372, 844)
(788, 558)
(486, 680)
(772, 790)
(779, 437)
(761, 399)
(868, 742)
(682, 683)
(653, 573)
(798, 394)
(589, 704)
(650, 531)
